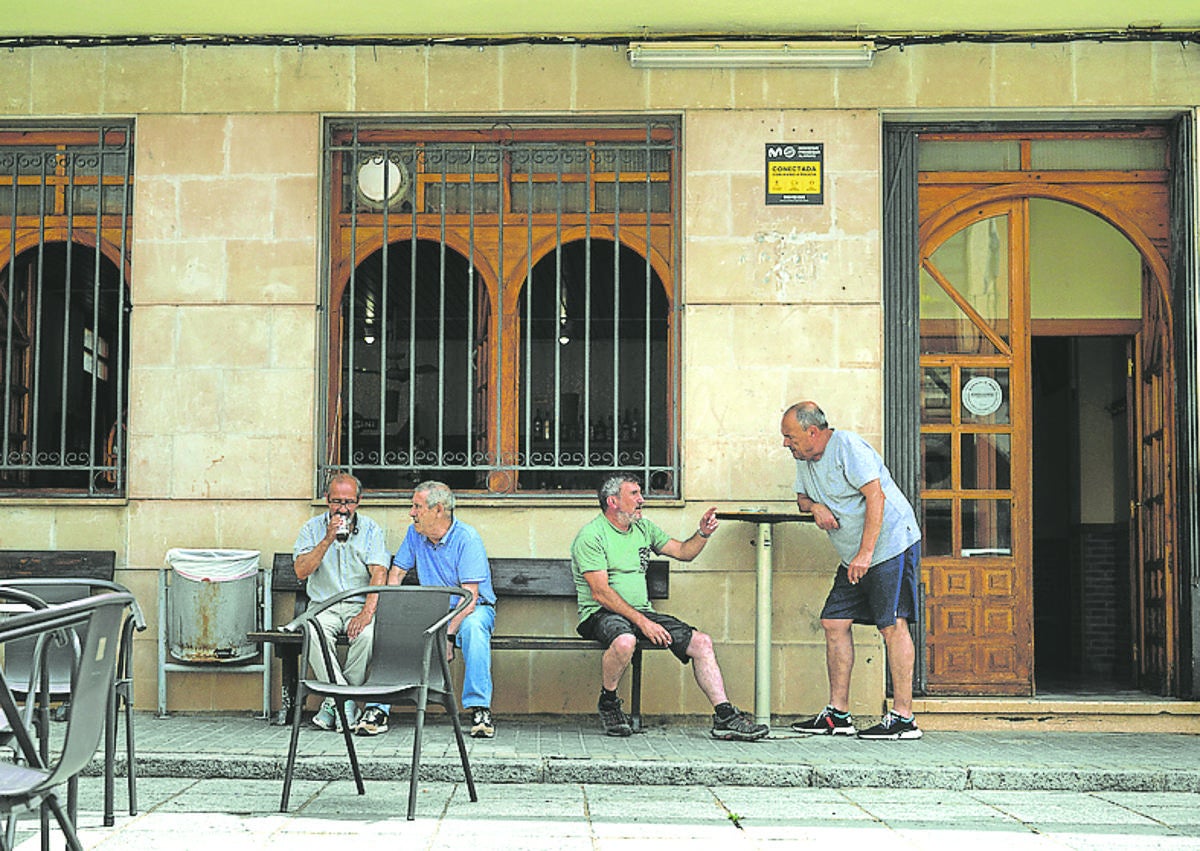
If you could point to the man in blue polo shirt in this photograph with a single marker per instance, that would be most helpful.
(446, 551)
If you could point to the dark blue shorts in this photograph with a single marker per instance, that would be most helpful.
(604, 626)
(887, 591)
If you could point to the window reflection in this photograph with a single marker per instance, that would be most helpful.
(935, 394)
(973, 263)
(985, 461)
(986, 527)
(936, 461)
(937, 527)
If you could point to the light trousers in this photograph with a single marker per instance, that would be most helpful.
(358, 656)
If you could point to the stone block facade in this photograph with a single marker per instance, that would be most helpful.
(778, 304)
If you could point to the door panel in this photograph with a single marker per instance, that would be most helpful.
(974, 439)
(1157, 668)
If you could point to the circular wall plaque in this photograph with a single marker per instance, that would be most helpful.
(982, 395)
(381, 181)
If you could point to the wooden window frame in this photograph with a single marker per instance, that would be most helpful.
(502, 248)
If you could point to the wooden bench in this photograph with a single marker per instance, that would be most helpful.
(549, 578)
(58, 564)
(552, 578)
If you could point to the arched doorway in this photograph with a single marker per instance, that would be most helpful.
(987, 359)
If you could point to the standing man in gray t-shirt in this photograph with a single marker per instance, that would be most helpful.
(851, 494)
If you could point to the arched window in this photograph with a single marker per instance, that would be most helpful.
(64, 309)
(414, 316)
(594, 370)
(502, 304)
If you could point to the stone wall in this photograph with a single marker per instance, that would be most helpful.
(779, 303)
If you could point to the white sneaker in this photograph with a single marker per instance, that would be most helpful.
(326, 717)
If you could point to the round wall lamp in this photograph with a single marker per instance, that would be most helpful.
(381, 181)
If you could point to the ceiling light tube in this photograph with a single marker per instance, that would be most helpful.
(751, 54)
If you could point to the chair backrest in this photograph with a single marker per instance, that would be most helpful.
(18, 658)
(16, 597)
(401, 618)
(60, 658)
(98, 620)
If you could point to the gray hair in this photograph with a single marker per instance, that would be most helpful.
(344, 477)
(436, 493)
(809, 414)
(612, 487)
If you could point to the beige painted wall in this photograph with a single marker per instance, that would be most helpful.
(1080, 266)
(779, 304)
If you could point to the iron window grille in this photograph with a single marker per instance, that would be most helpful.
(502, 305)
(65, 214)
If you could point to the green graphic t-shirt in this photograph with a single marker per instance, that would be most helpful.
(625, 555)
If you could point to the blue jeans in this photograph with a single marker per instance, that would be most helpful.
(475, 643)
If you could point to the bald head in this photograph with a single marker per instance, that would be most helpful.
(807, 414)
(805, 431)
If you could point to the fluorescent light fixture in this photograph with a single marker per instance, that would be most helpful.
(751, 54)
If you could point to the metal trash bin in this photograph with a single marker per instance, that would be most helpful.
(213, 603)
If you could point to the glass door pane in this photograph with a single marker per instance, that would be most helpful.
(965, 292)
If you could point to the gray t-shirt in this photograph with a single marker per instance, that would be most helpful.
(344, 565)
(835, 481)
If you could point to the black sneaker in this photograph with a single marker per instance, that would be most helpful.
(373, 722)
(829, 723)
(482, 726)
(738, 727)
(614, 721)
(892, 726)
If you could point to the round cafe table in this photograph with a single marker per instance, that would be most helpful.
(764, 520)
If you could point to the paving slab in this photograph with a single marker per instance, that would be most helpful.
(238, 815)
(575, 750)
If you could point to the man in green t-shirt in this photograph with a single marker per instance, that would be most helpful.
(609, 559)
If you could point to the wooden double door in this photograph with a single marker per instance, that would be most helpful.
(977, 420)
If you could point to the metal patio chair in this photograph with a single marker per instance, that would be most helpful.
(35, 713)
(18, 664)
(97, 621)
(408, 664)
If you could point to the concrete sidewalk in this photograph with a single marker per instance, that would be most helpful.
(577, 751)
(181, 814)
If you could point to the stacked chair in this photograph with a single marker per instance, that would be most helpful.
(87, 634)
(60, 661)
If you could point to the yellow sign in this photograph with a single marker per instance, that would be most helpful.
(795, 173)
(794, 178)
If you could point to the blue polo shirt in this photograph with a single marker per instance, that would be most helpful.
(457, 558)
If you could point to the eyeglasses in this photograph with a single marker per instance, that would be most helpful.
(343, 502)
